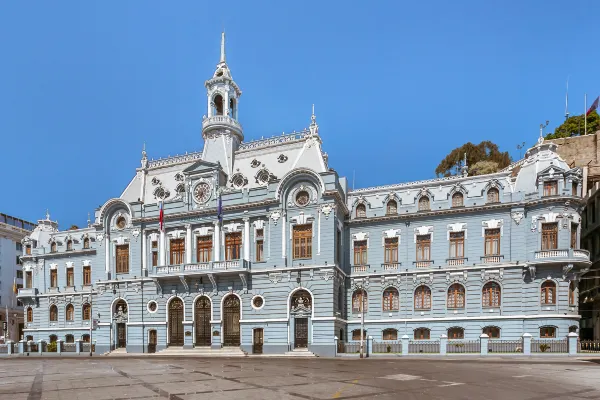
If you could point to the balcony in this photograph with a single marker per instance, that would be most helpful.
(454, 261)
(210, 267)
(562, 255)
(358, 269)
(395, 266)
(222, 121)
(27, 292)
(423, 263)
(492, 259)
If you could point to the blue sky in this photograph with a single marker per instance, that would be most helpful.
(396, 85)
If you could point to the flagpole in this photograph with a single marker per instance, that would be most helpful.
(585, 111)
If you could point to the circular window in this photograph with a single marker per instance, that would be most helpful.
(238, 180)
(302, 198)
(152, 306)
(258, 302)
(202, 192)
(121, 222)
(263, 176)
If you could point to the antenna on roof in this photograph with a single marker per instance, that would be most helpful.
(353, 178)
(567, 101)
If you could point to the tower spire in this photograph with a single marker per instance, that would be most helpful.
(222, 48)
(314, 128)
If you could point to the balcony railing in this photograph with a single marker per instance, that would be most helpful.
(395, 266)
(551, 254)
(492, 259)
(27, 292)
(423, 263)
(220, 120)
(456, 261)
(360, 268)
(203, 267)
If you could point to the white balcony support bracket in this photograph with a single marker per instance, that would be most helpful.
(214, 283)
(244, 282)
(184, 282)
(158, 286)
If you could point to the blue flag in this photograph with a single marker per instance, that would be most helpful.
(220, 209)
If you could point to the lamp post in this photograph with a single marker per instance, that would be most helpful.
(359, 286)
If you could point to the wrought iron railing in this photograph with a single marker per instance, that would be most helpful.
(589, 346)
(424, 346)
(463, 346)
(550, 346)
(505, 346)
(387, 346)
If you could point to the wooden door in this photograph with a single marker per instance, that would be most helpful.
(301, 333)
(121, 336)
(231, 321)
(152, 341)
(257, 341)
(202, 321)
(176, 322)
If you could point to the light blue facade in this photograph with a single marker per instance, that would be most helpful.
(299, 290)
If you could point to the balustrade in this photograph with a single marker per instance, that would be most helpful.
(423, 263)
(211, 266)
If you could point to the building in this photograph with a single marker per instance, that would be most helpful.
(589, 288)
(12, 231)
(263, 247)
(582, 151)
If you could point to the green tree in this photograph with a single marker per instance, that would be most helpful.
(73, 228)
(483, 158)
(575, 125)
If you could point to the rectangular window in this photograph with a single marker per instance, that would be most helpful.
(19, 274)
(260, 247)
(302, 239)
(457, 244)
(574, 236)
(360, 252)
(70, 277)
(19, 246)
(154, 258)
(338, 246)
(18, 260)
(28, 279)
(492, 242)
(177, 251)
(28, 250)
(574, 190)
(391, 250)
(155, 244)
(123, 259)
(549, 236)
(233, 246)
(547, 332)
(204, 247)
(87, 275)
(550, 188)
(423, 247)
(53, 278)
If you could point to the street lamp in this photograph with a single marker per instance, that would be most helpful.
(360, 287)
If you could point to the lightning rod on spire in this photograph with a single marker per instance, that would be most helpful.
(223, 46)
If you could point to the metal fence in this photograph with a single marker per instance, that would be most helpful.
(505, 346)
(424, 346)
(69, 348)
(589, 346)
(350, 347)
(387, 347)
(33, 347)
(463, 346)
(3, 348)
(550, 346)
(85, 348)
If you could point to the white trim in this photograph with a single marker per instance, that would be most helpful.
(252, 302)
(86, 328)
(112, 305)
(482, 317)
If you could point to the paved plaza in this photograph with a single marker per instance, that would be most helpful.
(278, 378)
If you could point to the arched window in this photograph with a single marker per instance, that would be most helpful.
(85, 338)
(29, 338)
(423, 298)
(457, 200)
(70, 312)
(390, 334)
(490, 295)
(85, 312)
(392, 207)
(218, 105)
(493, 195)
(361, 211)
(356, 334)
(53, 313)
(53, 338)
(69, 338)
(572, 289)
(456, 333)
(69, 245)
(232, 110)
(391, 299)
(573, 329)
(359, 299)
(422, 334)
(86, 243)
(424, 204)
(547, 332)
(456, 296)
(29, 314)
(53, 247)
(492, 331)
(548, 292)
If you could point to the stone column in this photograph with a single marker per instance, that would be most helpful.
(572, 337)
(247, 239)
(405, 340)
(40, 346)
(162, 254)
(283, 237)
(369, 345)
(217, 242)
(526, 344)
(107, 254)
(188, 244)
(484, 340)
(144, 252)
(443, 344)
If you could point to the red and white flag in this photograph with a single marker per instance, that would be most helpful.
(161, 217)
(593, 106)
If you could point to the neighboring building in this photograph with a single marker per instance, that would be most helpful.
(288, 264)
(12, 231)
(589, 287)
(582, 151)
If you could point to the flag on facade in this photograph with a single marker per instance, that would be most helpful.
(220, 208)
(15, 290)
(593, 106)
(161, 217)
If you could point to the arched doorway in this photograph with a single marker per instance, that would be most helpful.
(120, 319)
(202, 321)
(176, 322)
(231, 321)
(300, 311)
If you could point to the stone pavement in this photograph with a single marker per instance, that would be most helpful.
(101, 378)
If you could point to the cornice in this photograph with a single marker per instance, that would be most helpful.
(12, 232)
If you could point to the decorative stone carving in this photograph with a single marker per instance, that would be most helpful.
(275, 215)
(275, 277)
(155, 181)
(517, 216)
(120, 316)
(255, 163)
(282, 158)
(135, 233)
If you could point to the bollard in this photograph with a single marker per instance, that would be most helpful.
(443, 344)
(369, 345)
(335, 341)
(483, 344)
(526, 344)
(22, 346)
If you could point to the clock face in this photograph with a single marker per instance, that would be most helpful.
(202, 192)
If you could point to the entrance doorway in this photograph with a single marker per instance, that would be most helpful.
(301, 333)
(152, 341)
(202, 321)
(257, 341)
(121, 336)
(231, 321)
(176, 322)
